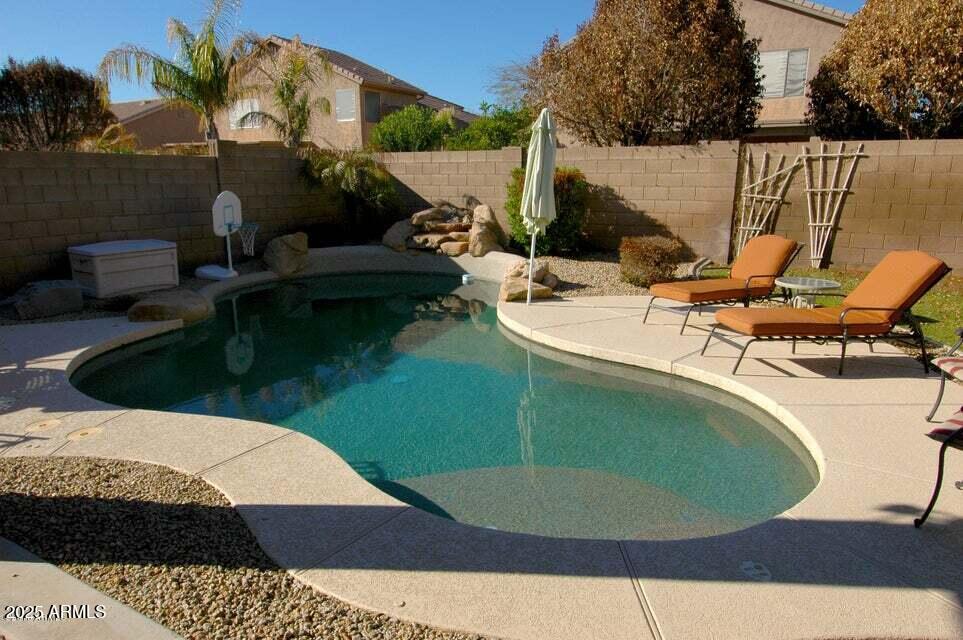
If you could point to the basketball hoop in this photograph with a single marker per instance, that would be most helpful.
(226, 218)
(247, 231)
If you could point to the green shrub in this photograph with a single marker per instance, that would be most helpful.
(365, 187)
(496, 128)
(564, 234)
(414, 128)
(645, 260)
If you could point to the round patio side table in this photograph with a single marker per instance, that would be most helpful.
(805, 289)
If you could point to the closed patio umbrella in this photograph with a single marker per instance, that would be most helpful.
(538, 195)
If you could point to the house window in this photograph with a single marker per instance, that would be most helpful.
(784, 72)
(240, 109)
(372, 106)
(344, 105)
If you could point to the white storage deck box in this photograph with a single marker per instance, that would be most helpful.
(106, 269)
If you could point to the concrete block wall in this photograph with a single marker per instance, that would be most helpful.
(50, 201)
(687, 191)
(267, 178)
(461, 177)
(907, 194)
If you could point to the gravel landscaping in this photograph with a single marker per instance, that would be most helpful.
(172, 547)
(591, 274)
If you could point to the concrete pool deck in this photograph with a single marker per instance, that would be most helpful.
(845, 562)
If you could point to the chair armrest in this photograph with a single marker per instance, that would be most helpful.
(959, 332)
(845, 312)
(766, 275)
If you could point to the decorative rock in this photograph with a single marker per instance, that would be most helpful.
(453, 248)
(520, 270)
(551, 281)
(483, 214)
(428, 240)
(48, 298)
(287, 255)
(460, 236)
(428, 215)
(397, 235)
(188, 306)
(482, 239)
(514, 289)
(446, 227)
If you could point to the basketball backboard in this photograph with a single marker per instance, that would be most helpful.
(226, 213)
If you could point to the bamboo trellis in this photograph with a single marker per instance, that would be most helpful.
(761, 198)
(825, 200)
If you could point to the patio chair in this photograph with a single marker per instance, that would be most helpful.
(751, 277)
(869, 313)
(951, 435)
(950, 366)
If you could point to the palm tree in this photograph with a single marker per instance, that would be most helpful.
(204, 75)
(288, 75)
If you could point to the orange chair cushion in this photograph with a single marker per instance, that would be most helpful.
(897, 282)
(713, 290)
(786, 321)
(763, 256)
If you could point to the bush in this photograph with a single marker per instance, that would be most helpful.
(45, 106)
(364, 185)
(646, 260)
(564, 234)
(835, 115)
(414, 128)
(640, 68)
(496, 128)
(903, 61)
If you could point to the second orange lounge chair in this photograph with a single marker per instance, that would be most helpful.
(868, 313)
(751, 277)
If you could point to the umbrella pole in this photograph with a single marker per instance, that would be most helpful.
(531, 267)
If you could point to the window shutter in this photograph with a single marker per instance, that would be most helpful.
(796, 70)
(772, 66)
(344, 107)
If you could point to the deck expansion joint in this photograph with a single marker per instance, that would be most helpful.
(244, 453)
(650, 618)
(354, 540)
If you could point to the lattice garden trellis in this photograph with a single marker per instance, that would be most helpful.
(763, 195)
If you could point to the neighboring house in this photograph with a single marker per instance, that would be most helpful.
(154, 123)
(359, 95)
(462, 118)
(794, 36)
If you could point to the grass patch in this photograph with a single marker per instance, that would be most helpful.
(940, 311)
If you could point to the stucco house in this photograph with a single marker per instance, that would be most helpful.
(794, 36)
(360, 95)
(156, 124)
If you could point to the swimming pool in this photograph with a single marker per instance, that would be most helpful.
(412, 381)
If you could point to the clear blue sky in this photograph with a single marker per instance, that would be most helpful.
(447, 47)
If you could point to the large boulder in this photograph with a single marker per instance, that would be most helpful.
(48, 298)
(484, 215)
(453, 248)
(515, 289)
(287, 255)
(481, 240)
(520, 270)
(179, 304)
(397, 235)
(428, 215)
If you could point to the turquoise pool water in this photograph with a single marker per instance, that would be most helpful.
(412, 381)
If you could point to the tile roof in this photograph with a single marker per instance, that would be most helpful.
(437, 104)
(126, 111)
(814, 8)
(362, 72)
